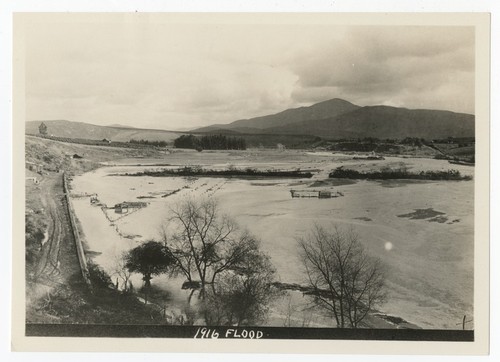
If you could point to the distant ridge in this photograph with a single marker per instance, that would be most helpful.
(333, 119)
(326, 109)
(338, 118)
(386, 122)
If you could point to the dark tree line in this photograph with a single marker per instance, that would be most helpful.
(413, 141)
(151, 143)
(210, 142)
(399, 173)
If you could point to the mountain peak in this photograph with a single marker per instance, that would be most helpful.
(338, 118)
(333, 100)
(326, 109)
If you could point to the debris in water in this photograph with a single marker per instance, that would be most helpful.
(364, 218)
(423, 214)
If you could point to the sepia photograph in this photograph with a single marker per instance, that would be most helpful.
(282, 177)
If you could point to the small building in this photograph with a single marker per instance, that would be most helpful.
(76, 155)
(304, 193)
(125, 206)
(321, 194)
(121, 208)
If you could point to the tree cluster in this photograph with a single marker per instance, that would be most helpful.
(242, 297)
(224, 263)
(149, 143)
(413, 141)
(42, 128)
(398, 173)
(210, 142)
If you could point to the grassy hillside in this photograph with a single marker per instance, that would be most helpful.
(62, 128)
(55, 155)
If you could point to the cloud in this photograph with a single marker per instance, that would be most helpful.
(169, 75)
(408, 66)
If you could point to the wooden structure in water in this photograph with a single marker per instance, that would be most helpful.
(320, 194)
(370, 158)
(93, 199)
(125, 206)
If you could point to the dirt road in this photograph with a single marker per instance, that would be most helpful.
(58, 262)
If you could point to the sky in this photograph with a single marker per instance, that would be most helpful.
(182, 75)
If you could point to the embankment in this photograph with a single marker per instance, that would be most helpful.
(82, 259)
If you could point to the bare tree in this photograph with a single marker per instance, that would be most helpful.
(206, 242)
(242, 296)
(344, 279)
(121, 271)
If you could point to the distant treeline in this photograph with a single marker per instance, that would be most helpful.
(401, 173)
(84, 141)
(414, 141)
(210, 142)
(149, 143)
(231, 172)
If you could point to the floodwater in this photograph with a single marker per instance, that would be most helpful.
(430, 261)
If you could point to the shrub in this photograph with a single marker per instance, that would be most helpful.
(98, 277)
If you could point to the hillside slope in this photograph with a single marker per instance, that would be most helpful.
(386, 122)
(56, 155)
(326, 109)
(63, 128)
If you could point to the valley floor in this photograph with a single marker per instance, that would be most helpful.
(55, 279)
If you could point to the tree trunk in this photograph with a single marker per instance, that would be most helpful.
(190, 296)
(147, 280)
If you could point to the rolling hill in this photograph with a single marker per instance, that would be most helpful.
(63, 128)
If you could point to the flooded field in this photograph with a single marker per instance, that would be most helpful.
(423, 230)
